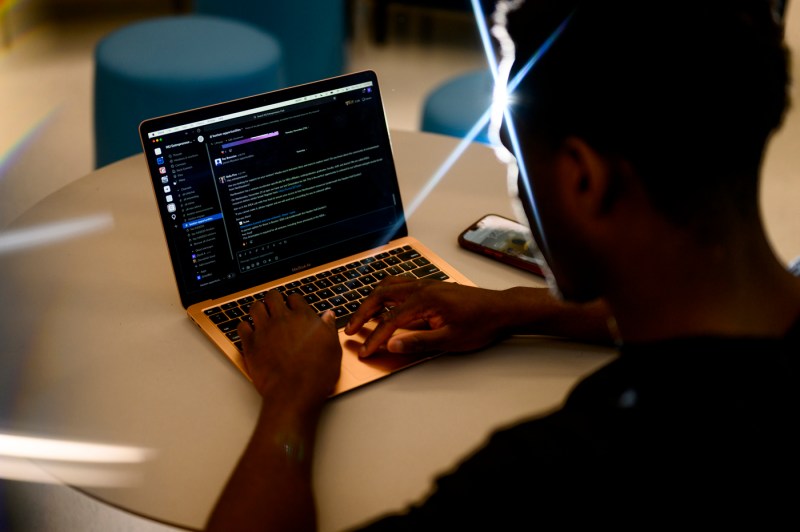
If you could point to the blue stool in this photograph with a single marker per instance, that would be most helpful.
(454, 107)
(311, 33)
(170, 64)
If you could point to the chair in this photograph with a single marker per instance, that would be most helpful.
(311, 33)
(455, 106)
(169, 64)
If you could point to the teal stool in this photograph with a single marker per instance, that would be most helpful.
(170, 64)
(454, 107)
(311, 33)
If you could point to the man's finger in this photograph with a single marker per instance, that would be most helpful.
(392, 320)
(329, 319)
(258, 311)
(418, 342)
(297, 302)
(273, 301)
(390, 289)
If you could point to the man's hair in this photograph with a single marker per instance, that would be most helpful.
(687, 91)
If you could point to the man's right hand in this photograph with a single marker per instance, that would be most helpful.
(444, 316)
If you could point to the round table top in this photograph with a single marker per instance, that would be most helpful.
(97, 348)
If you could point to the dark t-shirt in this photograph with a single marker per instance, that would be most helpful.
(685, 433)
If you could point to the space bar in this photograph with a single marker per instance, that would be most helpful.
(341, 321)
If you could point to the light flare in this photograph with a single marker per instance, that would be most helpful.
(70, 451)
(502, 98)
(19, 239)
(73, 462)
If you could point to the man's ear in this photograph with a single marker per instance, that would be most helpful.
(588, 180)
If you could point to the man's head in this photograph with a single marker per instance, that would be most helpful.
(679, 95)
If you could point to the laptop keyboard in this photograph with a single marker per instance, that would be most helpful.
(339, 289)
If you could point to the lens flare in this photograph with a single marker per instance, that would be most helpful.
(517, 172)
(8, 158)
(20, 239)
(70, 451)
(74, 462)
(497, 113)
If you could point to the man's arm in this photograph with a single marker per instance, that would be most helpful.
(270, 489)
(452, 317)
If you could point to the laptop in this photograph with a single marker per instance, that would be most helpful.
(293, 190)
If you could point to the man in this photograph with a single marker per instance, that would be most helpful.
(642, 130)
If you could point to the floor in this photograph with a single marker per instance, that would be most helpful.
(46, 142)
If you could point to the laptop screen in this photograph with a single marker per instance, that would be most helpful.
(256, 189)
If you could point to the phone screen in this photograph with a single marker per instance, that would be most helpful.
(504, 239)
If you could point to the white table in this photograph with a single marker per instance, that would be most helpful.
(96, 347)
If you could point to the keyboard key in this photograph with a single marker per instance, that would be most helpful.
(312, 298)
(368, 279)
(341, 321)
(422, 261)
(325, 294)
(352, 285)
(392, 261)
(352, 296)
(339, 289)
(337, 301)
(308, 288)
(338, 279)
(324, 283)
(353, 306)
(293, 284)
(381, 275)
(425, 271)
(210, 311)
(409, 255)
(352, 274)
(234, 313)
(309, 279)
(379, 265)
(228, 326)
(245, 300)
(365, 270)
(219, 317)
(228, 306)
(322, 306)
(365, 291)
(439, 276)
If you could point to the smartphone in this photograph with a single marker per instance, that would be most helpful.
(502, 239)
